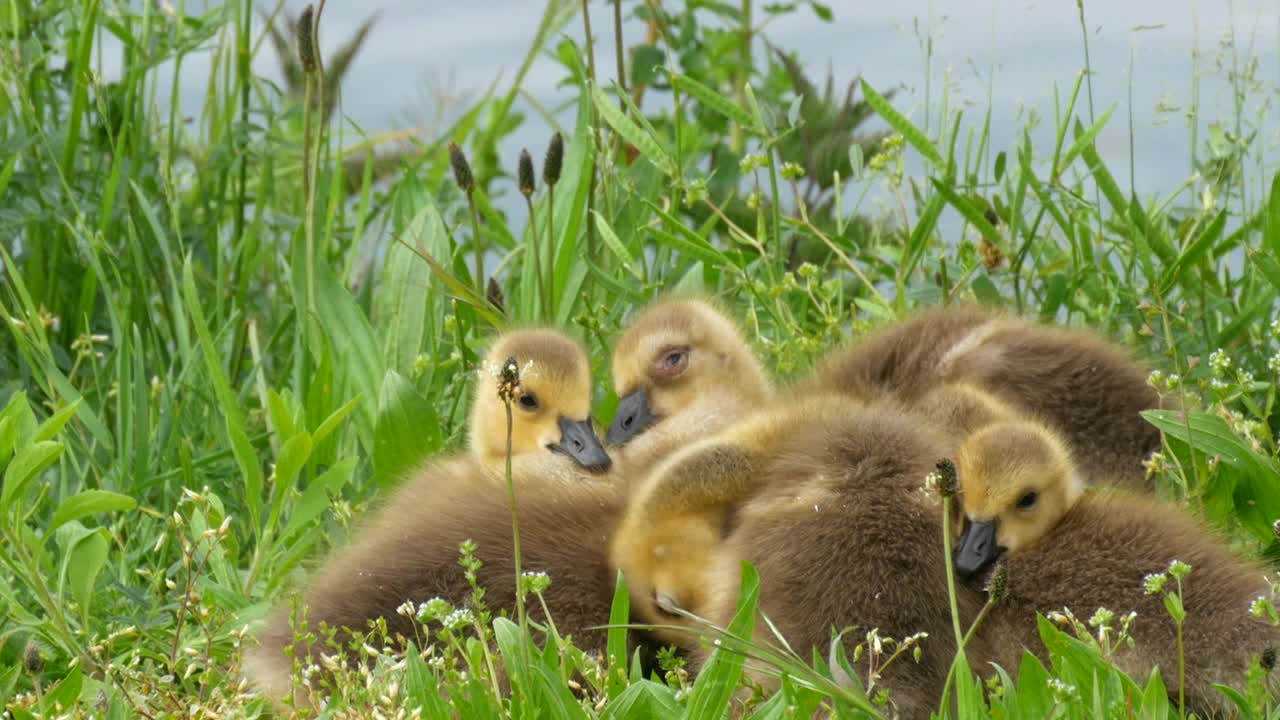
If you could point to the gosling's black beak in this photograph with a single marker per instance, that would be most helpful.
(977, 547)
(578, 440)
(633, 417)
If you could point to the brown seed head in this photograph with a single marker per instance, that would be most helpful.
(32, 662)
(526, 173)
(947, 480)
(306, 40)
(461, 169)
(998, 585)
(508, 379)
(991, 254)
(555, 158)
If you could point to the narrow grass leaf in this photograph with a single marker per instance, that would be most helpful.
(716, 102)
(632, 133)
(241, 448)
(966, 208)
(1084, 139)
(616, 643)
(900, 123)
(614, 244)
(1271, 236)
(50, 428)
(331, 423)
(460, 290)
(89, 502)
(1193, 252)
(713, 690)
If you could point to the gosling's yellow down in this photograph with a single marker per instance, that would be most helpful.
(682, 370)
(408, 550)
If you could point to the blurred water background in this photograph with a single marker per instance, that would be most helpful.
(424, 60)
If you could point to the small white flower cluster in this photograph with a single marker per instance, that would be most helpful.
(1219, 361)
(534, 582)
(458, 619)
(1062, 692)
(433, 609)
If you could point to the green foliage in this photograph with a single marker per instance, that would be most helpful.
(224, 339)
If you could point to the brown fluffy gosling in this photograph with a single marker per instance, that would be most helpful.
(408, 549)
(1089, 390)
(1063, 547)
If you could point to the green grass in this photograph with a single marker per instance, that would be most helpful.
(205, 378)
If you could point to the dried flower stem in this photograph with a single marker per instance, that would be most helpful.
(992, 601)
(511, 380)
(951, 582)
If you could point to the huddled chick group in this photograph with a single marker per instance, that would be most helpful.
(818, 484)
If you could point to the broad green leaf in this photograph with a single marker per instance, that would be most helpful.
(65, 695)
(644, 699)
(292, 458)
(422, 686)
(84, 562)
(900, 123)
(282, 415)
(28, 463)
(356, 353)
(316, 498)
(8, 434)
(407, 429)
(18, 411)
(89, 502)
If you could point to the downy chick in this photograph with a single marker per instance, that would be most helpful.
(408, 550)
(680, 514)
(844, 536)
(1062, 547)
(682, 370)
(1087, 389)
(551, 409)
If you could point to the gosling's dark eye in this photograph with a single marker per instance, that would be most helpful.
(672, 363)
(529, 401)
(1028, 500)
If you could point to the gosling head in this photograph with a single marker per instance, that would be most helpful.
(1016, 481)
(551, 407)
(677, 354)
